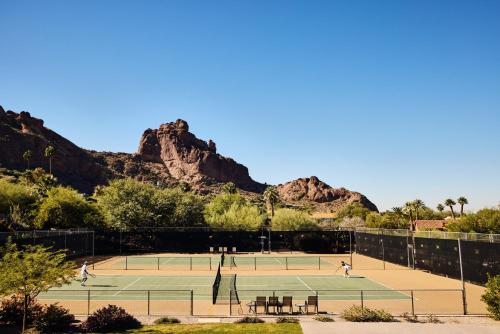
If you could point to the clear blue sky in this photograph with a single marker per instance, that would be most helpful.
(395, 99)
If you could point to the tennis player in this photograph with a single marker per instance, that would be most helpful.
(84, 273)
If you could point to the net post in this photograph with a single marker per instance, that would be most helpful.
(149, 299)
(88, 302)
(191, 263)
(255, 263)
(158, 258)
(319, 262)
(412, 303)
(286, 262)
(362, 300)
(192, 303)
(126, 262)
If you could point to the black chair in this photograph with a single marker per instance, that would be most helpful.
(275, 303)
(260, 301)
(312, 301)
(287, 302)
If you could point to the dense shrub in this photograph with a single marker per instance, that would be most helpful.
(323, 318)
(492, 296)
(410, 317)
(232, 212)
(293, 220)
(287, 320)
(250, 320)
(110, 318)
(54, 319)
(11, 311)
(167, 320)
(363, 314)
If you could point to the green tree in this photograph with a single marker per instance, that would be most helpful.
(492, 296)
(32, 270)
(417, 205)
(232, 212)
(450, 203)
(38, 179)
(440, 207)
(49, 153)
(229, 188)
(462, 201)
(353, 210)
(127, 203)
(27, 156)
(398, 211)
(292, 220)
(175, 207)
(271, 197)
(66, 208)
(483, 221)
(408, 209)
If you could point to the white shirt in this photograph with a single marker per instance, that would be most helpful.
(346, 267)
(83, 271)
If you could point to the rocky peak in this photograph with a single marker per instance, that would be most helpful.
(190, 159)
(312, 190)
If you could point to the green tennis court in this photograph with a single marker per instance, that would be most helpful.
(179, 288)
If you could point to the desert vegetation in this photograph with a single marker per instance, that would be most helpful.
(34, 199)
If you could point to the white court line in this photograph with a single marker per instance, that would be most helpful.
(128, 286)
(301, 281)
(276, 259)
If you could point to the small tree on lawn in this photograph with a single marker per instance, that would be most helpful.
(32, 270)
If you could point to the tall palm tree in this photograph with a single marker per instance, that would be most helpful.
(398, 211)
(440, 207)
(272, 198)
(418, 204)
(49, 153)
(408, 208)
(462, 201)
(449, 202)
(27, 156)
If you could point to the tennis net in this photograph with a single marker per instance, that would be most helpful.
(215, 286)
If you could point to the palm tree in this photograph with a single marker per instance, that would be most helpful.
(49, 153)
(398, 211)
(462, 201)
(408, 208)
(440, 207)
(272, 198)
(229, 188)
(449, 202)
(418, 204)
(27, 156)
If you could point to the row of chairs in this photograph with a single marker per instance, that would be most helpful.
(278, 307)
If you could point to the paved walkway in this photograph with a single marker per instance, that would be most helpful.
(396, 328)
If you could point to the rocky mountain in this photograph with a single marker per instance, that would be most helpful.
(71, 164)
(320, 195)
(166, 156)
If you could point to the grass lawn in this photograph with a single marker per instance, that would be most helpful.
(219, 329)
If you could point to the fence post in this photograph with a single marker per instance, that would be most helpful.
(158, 258)
(412, 304)
(149, 299)
(286, 262)
(210, 262)
(383, 252)
(126, 262)
(191, 263)
(319, 262)
(192, 303)
(317, 302)
(88, 302)
(350, 247)
(362, 301)
(120, 242)
(464, 300)
(255, 262)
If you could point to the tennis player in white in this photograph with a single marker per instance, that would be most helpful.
(346, 267)
(84, 273)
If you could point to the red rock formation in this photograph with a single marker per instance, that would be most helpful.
(190, 159)
(70, 164)
(312, 190)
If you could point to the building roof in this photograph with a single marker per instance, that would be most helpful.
(430, 223)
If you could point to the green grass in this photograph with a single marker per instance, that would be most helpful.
(219, 329)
